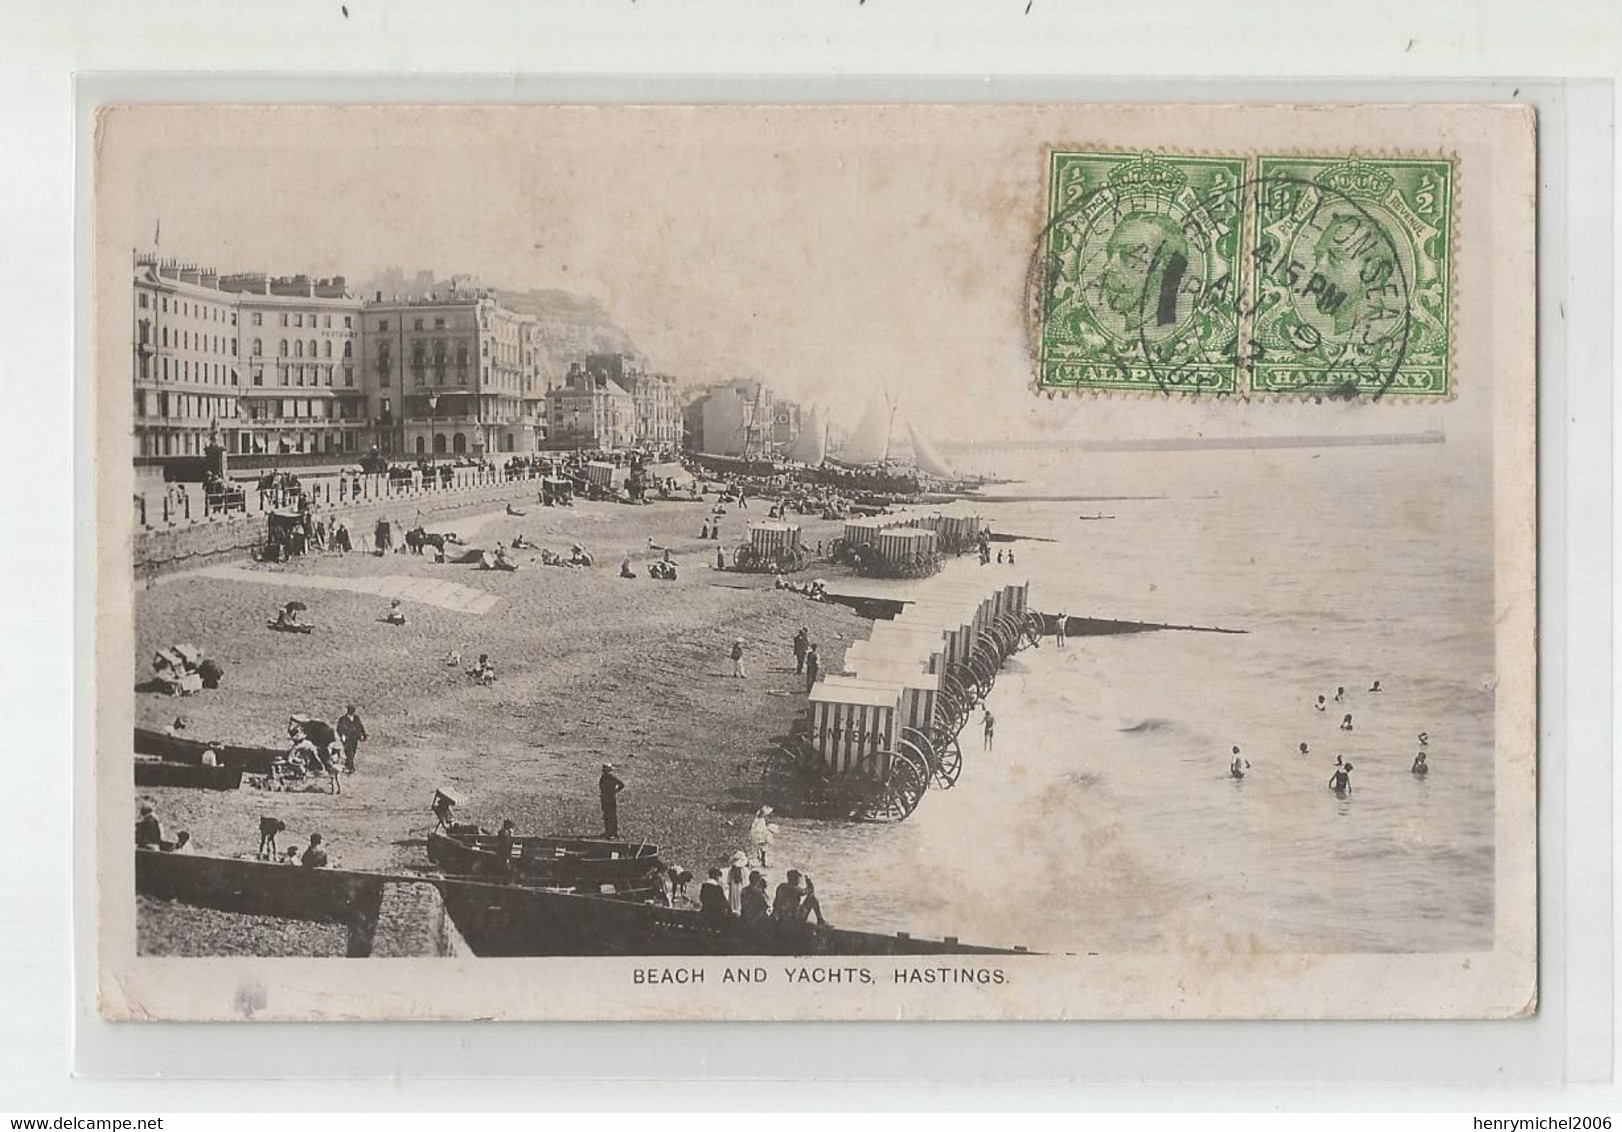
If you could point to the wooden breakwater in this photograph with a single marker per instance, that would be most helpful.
(390, 915)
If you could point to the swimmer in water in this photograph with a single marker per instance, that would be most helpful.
(1421, 767)
(1238, 767)
(1346, 723)
(1424, 739)
(1303, 748)
(1341, 781)
(1375, 687)
(1320, 705)
(1340, 695)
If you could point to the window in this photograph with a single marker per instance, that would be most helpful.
(439, 324)
(416, 324)
(258, 318)
(328, 374)
(349, 375)
(258, 347)
(298, 349)
(312, 347)
(233, 347)
(346, 322)
(298, 320)
(486, 375)
(233, 318)
(284, 318)
(141, 300)
(486, 345)
(383, 325)
(326, 321)
(327, 348)
(166, 304)
(233, 375)
(347, 348)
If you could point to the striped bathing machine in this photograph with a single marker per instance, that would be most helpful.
(602, 474)
(906, 551)
(928, 644)
(853, 728)
(956, 628)
(915, 705)
(773, 539)
(860, 532)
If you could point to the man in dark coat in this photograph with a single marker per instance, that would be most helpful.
(802, 645)
(608, 788)
(813, 667)
(350, 732)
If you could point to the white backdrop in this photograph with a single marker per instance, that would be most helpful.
(734, 52)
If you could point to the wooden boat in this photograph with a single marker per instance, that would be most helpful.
(161, 772)
(548, 862)
(179, 749)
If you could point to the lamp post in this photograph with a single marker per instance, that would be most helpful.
(433, 432)
(577, 428)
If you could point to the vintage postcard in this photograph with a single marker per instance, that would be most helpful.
(1003, 562)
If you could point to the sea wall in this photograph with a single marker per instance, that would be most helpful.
(187, 544)
(412, 924)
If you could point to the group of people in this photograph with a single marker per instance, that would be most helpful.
(807, 662)
(319, 748)
(1340, 778)
(313, 857)
(730, 897)
(149, 833)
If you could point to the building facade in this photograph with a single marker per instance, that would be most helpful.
(267, 365)
(185, 360)
(446, 375)
(590, 410)
(732, 419)
(302, 387)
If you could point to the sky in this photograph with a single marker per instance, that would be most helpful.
(824, 250)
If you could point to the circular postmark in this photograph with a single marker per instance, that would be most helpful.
(1120, 272)
(1149, 290)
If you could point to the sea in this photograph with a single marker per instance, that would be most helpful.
(1105, 818)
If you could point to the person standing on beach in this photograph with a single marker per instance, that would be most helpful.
(351, 732)
(340, 540)
(802, 645)
(608, 789)
(384, 537)
(813, 667)
(737, 658)
(990, 727)
(1058, 629)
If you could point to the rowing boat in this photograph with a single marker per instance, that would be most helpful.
(177, 749)
(547, 862)
(162, 772)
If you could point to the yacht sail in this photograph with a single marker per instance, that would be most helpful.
(870, 443)
(929, 461)
(811, 446)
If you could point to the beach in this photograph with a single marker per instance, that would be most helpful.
(1103, 821)
(591, 668)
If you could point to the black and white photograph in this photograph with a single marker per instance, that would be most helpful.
(815, 562)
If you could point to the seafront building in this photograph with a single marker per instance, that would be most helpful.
(300, 389)
(186, 361)
(294, 365)
(446, 374)
(590, 410)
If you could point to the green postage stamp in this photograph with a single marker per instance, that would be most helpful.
(1318, 277)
